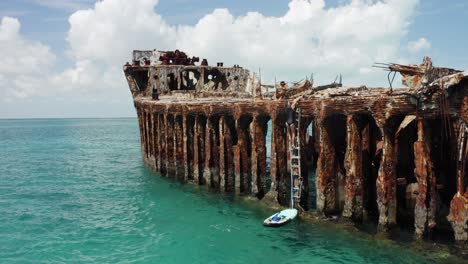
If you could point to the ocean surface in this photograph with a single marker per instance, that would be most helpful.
(77, 191)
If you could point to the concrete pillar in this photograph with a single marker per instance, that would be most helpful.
(458, 216)
(154, 117)
(142, 132)
(168, 144)
(278, 166)
(260, 145)
(148, 136)
(272, 195)
(222, 155)
(208, 152)
(215, 153)
(175, 147)
(242, 160)
(254, 135)
(354, 192)
(196, 151)
(161, 144)
(282, 163)
(154, 146)
(386, 181)
(185, 161)
(237, 158)
(325, 173)
(426, 201)
(145, 137)
(229, 159)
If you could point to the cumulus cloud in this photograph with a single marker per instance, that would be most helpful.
(419, 45)
(24, 63)
(309, 38)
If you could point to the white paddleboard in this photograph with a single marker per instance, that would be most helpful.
(281, 218)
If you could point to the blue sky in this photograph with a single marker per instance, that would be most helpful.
(442, 26)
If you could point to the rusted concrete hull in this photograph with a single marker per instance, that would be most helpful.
(367, 153)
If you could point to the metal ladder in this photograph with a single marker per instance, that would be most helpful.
(295, 162)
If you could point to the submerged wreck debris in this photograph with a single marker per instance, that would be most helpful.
(396, 157)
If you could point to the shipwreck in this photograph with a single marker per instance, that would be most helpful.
(395, 157)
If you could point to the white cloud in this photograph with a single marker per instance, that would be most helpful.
(419, 45)
(309, 37)
(24, 63)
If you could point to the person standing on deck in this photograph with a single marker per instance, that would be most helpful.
(291, 120)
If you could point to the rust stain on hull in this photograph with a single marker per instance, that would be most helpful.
(379, 150)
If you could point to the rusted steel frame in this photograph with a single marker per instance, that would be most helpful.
(426, 201)
(326, 170)
(386, 180)
(185, 148)
(354, 192)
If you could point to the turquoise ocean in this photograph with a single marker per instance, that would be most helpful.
(77, 191)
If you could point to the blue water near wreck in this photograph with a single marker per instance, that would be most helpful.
(76, 191)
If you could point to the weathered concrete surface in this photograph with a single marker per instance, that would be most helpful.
(353, 207)
(459, 216)
(426, 201)
(325, 173)
(386, 182)
(213, 132)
